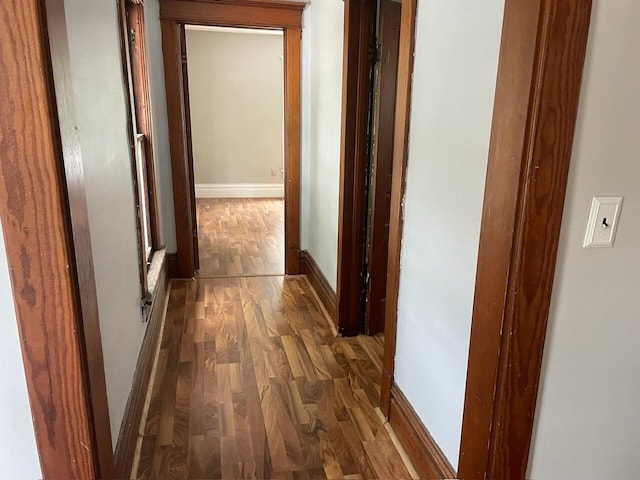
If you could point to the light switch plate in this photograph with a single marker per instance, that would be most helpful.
(603, 222)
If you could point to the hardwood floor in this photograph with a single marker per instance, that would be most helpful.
(251, 382)
(240, 236)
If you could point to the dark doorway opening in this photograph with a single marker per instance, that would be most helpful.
(372, 39)
(381, 165)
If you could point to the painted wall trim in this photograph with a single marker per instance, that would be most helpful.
(127, 440)
(327, 295)
(239, 190)
(424, 452)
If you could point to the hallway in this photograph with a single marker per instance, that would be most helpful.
(251, 380)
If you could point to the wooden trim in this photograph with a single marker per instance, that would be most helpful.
(142, 105)
(327, 295)
(178, 147)
(538, 87)
(172, 265)
(292, 109)
(132, 125)
(354, 148)
(82, 248)
(240, 13)
(39, 246)
(396, 220)
(126, 446)
(426, 456)
(195, 254)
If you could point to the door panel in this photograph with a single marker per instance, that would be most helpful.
(187, 118)
(382, 164)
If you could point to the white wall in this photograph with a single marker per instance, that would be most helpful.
(99, 96)
(455, 70)
(588, 420)
(236, 90)
(18, 452)
(162, 157)
(322, 80)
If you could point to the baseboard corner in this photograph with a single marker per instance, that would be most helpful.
(319, 282)
(425, 454)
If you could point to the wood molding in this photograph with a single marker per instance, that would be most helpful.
(319, 282)
(183, 207)
(82, 246)
(172, 265)
(139, 84)
(39, 247)
(292, 146)
(234, 13)
(396, 219)
(241, 13)
(538, 87)
(359, 18)
(424, 452)
(127, 440)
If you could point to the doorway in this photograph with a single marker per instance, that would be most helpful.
(276, 15)
(533, 121)
(381, 165)
(235, 85)
(369, 107)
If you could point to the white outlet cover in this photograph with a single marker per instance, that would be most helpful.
(603, 222)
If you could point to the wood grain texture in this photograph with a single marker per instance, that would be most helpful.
(319, 282)
(234, 13)
(422, 449)
(292, 146)
(173, 74)
(255, 385)
(354, 150)
(132, 134)
(240, 236)
(82, 261)
(188, 138)
(125, 447)
(539, 76)
(142, 107)
(38, 244)
(243, 13)
(382, 165)
(400, 155)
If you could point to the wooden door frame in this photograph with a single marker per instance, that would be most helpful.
(541, 61)
(359, 18)
(269, 14)
(44, 216)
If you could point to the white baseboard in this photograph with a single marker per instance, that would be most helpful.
(239, 190)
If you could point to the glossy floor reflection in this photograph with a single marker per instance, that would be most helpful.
(240, 236)
(252, 383)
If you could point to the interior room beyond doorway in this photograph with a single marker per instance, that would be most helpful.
(236, 98)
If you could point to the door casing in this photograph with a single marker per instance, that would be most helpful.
(540, 68)
(268, 14)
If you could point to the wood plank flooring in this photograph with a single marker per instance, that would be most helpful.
(240, 236)
(252, 383)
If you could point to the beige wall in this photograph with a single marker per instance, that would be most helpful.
(237, 94)
(588, 420)
(321, 123)
(160, 123)
(101, 115)
(456, 64)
